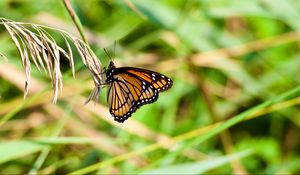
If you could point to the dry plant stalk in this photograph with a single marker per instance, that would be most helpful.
(35, 44)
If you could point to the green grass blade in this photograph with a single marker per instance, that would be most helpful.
(17, 149)
(64, 140)
(208, 134)
(198, 167)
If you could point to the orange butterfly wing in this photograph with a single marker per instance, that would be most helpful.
(126, 94)
(130, 88)
(157, 80)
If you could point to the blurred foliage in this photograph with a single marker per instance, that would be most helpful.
(226, 57)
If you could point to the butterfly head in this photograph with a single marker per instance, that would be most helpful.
(111, 65)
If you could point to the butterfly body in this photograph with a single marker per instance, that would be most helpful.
(130, 88)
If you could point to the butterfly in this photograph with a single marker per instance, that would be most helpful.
(130, 88)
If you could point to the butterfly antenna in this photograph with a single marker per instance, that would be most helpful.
(107, 54)
(115, 45)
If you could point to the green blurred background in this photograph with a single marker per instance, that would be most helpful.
(226, 57)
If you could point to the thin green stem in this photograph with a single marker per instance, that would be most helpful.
(75, 19)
